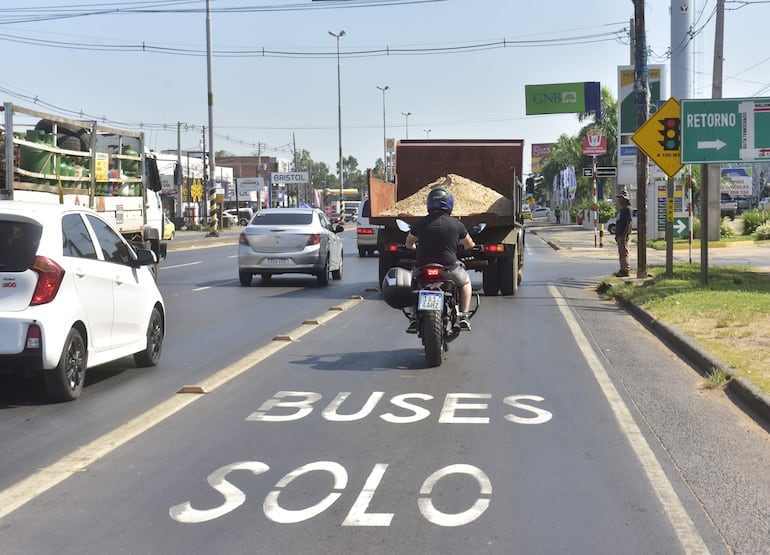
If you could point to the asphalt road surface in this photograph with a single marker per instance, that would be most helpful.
(291, 418)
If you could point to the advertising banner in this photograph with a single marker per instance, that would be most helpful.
(563, 98)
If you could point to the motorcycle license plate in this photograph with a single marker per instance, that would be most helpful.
(430, 300)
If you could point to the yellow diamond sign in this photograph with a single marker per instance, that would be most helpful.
(659, 137)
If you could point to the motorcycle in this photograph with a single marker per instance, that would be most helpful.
(428, 297)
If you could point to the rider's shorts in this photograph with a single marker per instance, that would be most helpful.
(458, 274)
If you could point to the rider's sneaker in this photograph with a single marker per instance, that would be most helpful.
(463, 322)
(412, 327)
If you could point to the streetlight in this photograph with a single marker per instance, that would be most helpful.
(339, 117)
(384, 135)
(406, 116)
(427, 133)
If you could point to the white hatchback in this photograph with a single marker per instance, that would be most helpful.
(73, 295)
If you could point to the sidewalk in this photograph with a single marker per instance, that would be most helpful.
(575, 241)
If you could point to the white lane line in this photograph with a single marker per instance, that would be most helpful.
(685, 530)
(46, 478)
(181, 265)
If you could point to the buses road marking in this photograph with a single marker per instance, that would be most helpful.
(46, 478)
(680, 521)
(358, 515)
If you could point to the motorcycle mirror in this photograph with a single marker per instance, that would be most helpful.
(402, 225)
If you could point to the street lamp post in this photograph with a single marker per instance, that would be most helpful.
(384, 133)
(406, 117)
(339, 118)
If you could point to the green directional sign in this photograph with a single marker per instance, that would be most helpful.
(725, 130)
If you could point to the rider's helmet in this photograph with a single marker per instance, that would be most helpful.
(440, 198)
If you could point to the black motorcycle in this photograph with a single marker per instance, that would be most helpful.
(429, 298)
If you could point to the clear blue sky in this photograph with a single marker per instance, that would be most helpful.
(455, 92)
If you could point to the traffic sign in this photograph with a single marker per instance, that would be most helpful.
(681, 227)
(601, 171)
(659, 137)
(726, 130)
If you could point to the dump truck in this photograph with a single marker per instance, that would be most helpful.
(495, 164)
(50, 158)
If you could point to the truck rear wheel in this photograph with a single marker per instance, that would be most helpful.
(491, 279)
(385, 264)
(509, 275)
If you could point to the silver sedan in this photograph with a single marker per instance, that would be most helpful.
(290, 241)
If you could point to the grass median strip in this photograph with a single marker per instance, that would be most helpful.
(729, 316)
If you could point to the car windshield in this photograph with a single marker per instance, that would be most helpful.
(283, 218)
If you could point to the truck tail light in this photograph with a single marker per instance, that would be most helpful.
(50, 276)
(494, 248)
(365, 231)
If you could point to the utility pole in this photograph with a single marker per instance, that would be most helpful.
(711, 174)
(642, 104)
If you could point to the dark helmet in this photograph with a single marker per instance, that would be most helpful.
(440, 199)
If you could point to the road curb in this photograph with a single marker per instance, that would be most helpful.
(702, 360)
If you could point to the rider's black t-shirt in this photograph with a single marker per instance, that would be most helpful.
(438, 235)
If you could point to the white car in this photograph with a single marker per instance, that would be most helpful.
(613, 221)
(541, 212)
(367, 234)
(242, 215)
(73, 295)
(764, 204)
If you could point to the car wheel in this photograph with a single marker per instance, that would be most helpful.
(65, 382)
(323, 276)
(245, 278)
(611, 229)
(337, 274)
(155, 333)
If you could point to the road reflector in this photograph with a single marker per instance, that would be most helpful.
(198, 390)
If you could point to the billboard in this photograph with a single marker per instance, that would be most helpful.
(540, 151)
(563, 98)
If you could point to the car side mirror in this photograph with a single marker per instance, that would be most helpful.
(338, 228)
(144, 257)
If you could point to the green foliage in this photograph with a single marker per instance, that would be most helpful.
(762, 233)
(724, 228)
(753, 219)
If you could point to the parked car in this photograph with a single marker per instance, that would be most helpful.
(728, 207)
(335, 217)
(242, 215)
(526, 212)
(290, 241)
(541, 212)
(169, 229)
(613, 222)
(366, 233)
(351, 213)
(74, 295)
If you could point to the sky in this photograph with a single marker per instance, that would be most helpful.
(457, 67)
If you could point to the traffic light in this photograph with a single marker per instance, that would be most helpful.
(671, 133)
(530, 183)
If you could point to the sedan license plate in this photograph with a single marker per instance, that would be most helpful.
(430, 300)
(276, 261)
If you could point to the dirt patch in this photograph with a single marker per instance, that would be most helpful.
(470, 198)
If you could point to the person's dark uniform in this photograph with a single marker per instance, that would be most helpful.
(622, 232)
(436, 238)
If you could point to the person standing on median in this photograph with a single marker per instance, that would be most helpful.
(622, 232)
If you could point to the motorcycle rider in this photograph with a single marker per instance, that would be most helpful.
(436, 238)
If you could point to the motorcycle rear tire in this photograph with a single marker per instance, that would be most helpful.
(433, 338)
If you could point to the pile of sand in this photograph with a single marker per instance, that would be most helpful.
(470, 198)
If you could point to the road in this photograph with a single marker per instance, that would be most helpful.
(559, 424)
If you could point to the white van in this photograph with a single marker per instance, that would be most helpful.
(366, 233)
